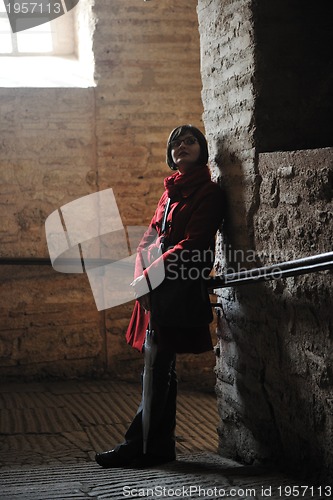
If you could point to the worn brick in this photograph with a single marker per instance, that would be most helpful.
(275, 363)
(60, 144)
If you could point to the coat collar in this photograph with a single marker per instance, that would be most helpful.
(180, 186)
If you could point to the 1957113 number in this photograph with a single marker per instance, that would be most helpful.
(305, 491)
(34, 8)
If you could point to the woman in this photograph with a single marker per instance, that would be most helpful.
(178, 309)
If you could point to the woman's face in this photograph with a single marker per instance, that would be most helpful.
(185, 152)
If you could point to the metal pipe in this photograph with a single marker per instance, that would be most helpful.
(25, 261)
(306, 265)
(267, 273)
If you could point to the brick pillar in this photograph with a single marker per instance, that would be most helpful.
(274, 367)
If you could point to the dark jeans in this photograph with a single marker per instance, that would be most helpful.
(161, 437)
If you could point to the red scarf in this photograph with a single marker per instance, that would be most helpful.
(180, 186)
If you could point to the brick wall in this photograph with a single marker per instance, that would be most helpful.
(60, 144)
(227, 66)
(274, 361)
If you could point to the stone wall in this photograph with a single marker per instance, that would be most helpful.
(274, 358)
(60, 144)
(275, 367)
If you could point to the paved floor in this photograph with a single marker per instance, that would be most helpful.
(49, 433)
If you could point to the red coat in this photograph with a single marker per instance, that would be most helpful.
(181, 312)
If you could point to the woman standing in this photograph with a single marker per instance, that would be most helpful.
(187, 217)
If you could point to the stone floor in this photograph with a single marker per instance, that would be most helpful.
(49, 433)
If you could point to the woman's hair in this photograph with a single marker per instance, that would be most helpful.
(180, 131)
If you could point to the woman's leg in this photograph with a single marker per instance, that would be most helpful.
(161, 436)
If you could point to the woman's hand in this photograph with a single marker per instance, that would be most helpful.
(140, 289)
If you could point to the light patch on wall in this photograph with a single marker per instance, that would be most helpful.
(54, 54)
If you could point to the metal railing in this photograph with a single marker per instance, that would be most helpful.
(306, 265)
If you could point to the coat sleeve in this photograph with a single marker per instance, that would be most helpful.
(199, 232)
(150, 241)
